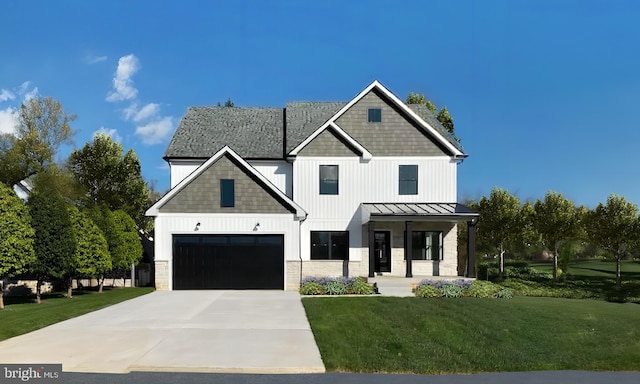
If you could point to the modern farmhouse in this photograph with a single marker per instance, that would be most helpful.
(261, 197)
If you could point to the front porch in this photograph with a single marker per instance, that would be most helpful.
(416, 238)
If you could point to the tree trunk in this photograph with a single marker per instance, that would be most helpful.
(555, 264)
(38, 290)
(1, 295)
(69, 288)
(618, 265)
(100, 284)
(501, 267)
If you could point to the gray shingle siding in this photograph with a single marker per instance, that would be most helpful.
(328, 144)
(395, 135)
(202, 195)
(303, 118)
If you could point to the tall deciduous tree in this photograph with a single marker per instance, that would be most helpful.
(102, 216)
(16, 237)
(55, 241)
(443, 116)
(111, 177)
(615, 228)
(91, 258)
(557, 221)
(43, 126)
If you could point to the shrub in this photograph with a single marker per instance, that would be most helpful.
(427, 291)
(335, 287)
(504, 293)
(451, 290)
(482, 289)
(360, 287)
(311, 288)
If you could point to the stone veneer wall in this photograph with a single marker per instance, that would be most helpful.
(319, 268)
(162, 275)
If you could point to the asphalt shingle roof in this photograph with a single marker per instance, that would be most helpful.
(259, 132)
(250, 132)
(426, 115)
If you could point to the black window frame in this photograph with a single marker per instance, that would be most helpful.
(374, 115)
(329, 186)
(408, 184)
(420, 250)
(227, 197)
(329, 250)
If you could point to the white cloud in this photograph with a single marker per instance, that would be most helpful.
(6, 95)
(31, 94)
(23, 87)
(123, 88)
(8, 120)
(95, 59)
(111, 132)
(156, 131)
(138, 115)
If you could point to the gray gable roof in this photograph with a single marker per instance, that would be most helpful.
(250, 132)
(426, 115)
(303, 118)
(258, 133)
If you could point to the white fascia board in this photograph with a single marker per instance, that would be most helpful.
(154, 210)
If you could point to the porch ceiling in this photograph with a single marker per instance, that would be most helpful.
(451, 212)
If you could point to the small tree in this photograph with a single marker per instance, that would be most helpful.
(504, 223)
(615, 227)
(16, 237)
(129, 248)
(55, 242)
(557, 221)
(443, 116)
(102, 216)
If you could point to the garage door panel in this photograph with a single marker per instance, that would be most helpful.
(228, 262)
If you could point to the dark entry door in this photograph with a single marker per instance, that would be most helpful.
(228, 262)
(382, 250)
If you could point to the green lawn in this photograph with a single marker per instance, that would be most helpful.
(433, 336)
(22, 315)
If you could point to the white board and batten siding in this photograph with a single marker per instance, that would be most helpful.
(170, 224)
(279, 173)
(368, 182)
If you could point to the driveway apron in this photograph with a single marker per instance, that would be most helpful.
(180, 331)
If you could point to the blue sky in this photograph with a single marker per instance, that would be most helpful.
(545, 94)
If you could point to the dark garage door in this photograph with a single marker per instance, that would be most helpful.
(228, 261)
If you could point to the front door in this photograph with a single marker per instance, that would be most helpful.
(382, 250)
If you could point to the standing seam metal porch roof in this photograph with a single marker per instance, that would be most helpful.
(398, 211)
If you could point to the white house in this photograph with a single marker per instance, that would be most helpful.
(261, 197)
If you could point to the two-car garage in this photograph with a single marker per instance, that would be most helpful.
(228, 261)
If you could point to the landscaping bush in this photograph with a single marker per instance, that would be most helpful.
(451, 290)
(482, 289)
(427, 291)
(312, 285)
(311, 288)
(504, 293)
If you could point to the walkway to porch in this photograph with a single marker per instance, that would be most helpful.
(401, 286)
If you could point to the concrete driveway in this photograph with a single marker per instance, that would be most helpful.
(180, 331)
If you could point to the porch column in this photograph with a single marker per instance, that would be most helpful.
(372, 245)
(471, 247)
(409, 240)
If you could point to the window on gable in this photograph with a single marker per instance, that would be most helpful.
(374, 115)
(426, 245)
(408, 179)
(329, 245)
(328, 179)
(227, 193)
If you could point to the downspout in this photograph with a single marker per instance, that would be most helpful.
(300, 247)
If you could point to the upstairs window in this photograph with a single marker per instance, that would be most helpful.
(227, 193)
(408, 179)
(374, 115)
(328, 179)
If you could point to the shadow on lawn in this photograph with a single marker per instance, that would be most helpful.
(31, 298)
